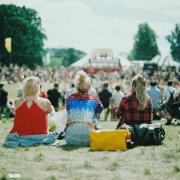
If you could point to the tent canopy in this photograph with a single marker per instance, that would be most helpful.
(166, 61)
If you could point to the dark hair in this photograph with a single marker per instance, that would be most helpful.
(56, 84)
(118, 88)
(105, 85)
(170, 83)
(153, 83)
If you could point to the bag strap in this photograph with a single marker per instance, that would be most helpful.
(144, 133)
(136, 135)
(171, 93)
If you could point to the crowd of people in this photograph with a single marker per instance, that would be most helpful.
(131, 98)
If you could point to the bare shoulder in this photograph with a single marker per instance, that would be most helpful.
(44, 104)
(44, 101)
(18, 102)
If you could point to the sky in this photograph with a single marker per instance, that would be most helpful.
(91, 24)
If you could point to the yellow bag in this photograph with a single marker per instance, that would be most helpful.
(109, 139)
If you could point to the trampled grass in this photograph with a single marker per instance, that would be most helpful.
(62, 162)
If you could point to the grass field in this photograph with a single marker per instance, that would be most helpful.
(62, 162)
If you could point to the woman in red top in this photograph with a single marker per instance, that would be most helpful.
(30, 122)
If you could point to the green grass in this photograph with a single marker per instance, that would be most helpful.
(64, 162)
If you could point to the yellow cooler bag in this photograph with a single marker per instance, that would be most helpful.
(108, 139)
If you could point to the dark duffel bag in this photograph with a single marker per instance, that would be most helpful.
(146, 134)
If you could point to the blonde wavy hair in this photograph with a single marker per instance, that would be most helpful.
(139, 88)
(82, 82)
(31, 86)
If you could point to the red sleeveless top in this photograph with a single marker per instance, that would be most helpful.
(30, 121)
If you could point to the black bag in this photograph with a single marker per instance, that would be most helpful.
(146, 134)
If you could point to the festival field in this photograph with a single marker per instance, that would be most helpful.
(62, 162)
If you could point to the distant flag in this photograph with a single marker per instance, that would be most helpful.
(8, 44)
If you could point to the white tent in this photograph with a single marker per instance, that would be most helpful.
(125, 63)
(82, 62)
(168, 61)
(156, 59)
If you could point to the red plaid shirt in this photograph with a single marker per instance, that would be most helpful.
(129, 112)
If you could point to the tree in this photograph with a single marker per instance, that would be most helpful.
(23, 25)
(145, 45)
(174, 40)
(64, 56)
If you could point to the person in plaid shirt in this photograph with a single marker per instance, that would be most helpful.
(135, 108)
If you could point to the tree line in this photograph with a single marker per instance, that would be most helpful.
(23, 26)
(145, 43)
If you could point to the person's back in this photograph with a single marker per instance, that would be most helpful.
(82, 109)
(3, 96)
(168, 90)
(54, 96)
(104, 97)
(30, 122)
(132, 115)
(155, 95)
(35, 115)
(117, 96)
(135, 108)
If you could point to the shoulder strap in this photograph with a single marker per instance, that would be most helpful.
(171, 92)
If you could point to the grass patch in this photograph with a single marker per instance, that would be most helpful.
(39, 157)
(147, 172)
(52, 178)
(87, 165)
(169, 156)
(176, 169)
(3, 174)
(26, 148)
(113, 166)
(103, 158)
(69, 148)
(52, 168)
(52, 126)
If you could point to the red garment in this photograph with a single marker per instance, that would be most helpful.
(43, 94)
(30, 121)
(129, 112)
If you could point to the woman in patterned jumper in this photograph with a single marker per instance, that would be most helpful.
(30, 123)
(82, 109)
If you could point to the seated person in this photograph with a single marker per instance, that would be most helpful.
(136, 107)
(3, 98)
(82, 109)
(30, 122)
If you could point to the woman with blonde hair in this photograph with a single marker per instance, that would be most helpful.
(30, 123)
(136, 107)
(82, 109)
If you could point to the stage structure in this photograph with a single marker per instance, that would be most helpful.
(100, 60)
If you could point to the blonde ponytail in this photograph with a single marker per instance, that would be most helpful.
(139, 88)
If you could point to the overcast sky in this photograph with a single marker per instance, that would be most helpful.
(90, 24)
